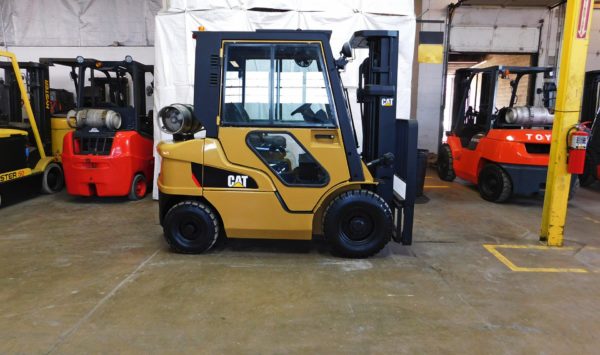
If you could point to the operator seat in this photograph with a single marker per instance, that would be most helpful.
(235, 112)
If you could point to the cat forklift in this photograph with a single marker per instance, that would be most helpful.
(590, 110)
(496, 142)
(109, 152)
(279, 158)
(24, 142)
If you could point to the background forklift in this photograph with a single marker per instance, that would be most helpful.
(24, 141)
(49, 105)
(280, 157)
(590, 110)
(110, 151)
(502, 146)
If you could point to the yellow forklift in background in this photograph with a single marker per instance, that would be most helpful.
(280, 158)
(24, 143)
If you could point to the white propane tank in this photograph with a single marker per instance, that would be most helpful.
(95, 118)
(529, 116)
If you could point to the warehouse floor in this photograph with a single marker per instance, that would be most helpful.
(82, 275)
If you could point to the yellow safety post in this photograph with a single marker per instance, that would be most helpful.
(568, 105)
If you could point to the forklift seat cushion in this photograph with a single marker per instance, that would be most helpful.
(235, 112)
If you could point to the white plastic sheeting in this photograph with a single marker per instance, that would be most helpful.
(78, 22)
(175, 48)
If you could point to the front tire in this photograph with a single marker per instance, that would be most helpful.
(445, 168)
(494, 183)
(53, 179)
(191, 227)
(357, 224)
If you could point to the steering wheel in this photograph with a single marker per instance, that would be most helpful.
(307, 113)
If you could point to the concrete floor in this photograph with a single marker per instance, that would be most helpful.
(91, 275)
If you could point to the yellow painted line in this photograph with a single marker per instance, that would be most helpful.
(503, 259)
(436, 186)
(592, 220)
(428, 177)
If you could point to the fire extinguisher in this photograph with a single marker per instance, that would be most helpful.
(577, 140)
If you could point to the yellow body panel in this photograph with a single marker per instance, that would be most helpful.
(329, 153)
(59, 128)
(7, 132)
(215, 156)
(255, 214)
(15, 174)
(176, 168)
(568, 105)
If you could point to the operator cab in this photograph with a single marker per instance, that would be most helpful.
(500, 97)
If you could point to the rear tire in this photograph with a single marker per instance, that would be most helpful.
(191, 227)
(138, 188)
(357, 224)
(445, 168)
(494, 183)
(588, 177)
(53, 179)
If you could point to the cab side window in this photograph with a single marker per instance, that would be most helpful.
(287, 158)
(276, 85)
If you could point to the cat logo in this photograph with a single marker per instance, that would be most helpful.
(237, 180)
(387, 102)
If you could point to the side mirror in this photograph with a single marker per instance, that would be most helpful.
(539, 91)
(346, 50)
(149, 90)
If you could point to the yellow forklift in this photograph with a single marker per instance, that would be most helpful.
(23, 143)
(279, 158)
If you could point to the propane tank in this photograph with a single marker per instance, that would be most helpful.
(529, 116)
(95, 118)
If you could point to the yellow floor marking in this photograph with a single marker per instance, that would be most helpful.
(591, 220)
(503, 259)
(436, 186)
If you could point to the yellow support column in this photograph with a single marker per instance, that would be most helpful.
(568, 105)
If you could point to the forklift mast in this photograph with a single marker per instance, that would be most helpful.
(38, 85)
(389, 144)
(377, 94)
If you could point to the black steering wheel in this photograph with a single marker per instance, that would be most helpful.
(307, 113)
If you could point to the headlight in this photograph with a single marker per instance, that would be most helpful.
(178, 119)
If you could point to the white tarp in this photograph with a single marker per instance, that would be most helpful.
(53, 23)
(174, 46)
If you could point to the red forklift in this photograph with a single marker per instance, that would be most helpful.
(109, 153)
(590, 110)
(496, 142)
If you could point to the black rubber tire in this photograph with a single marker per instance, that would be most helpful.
(135, 193)
(200, 223)
(445, 168)
(53, 179)
(494, 183)
(588, 177)
(357, 224)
